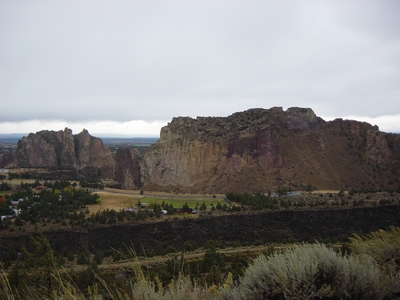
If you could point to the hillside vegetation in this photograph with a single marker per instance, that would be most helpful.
(308, 271)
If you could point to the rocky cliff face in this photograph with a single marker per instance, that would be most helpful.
(47, 149)
(7, 159)
(261, 149)
(127, 169)
(252, 151)
(62, 149)
(93, 155)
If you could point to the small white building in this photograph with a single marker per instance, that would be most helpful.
(17, 212)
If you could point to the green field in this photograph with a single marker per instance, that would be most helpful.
(179, 202)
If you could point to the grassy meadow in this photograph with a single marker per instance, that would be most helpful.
(179, 202)
(118, 201)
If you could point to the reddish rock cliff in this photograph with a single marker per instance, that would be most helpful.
(127, 169)
(261, 149)
(252, 151)
(47, 149)
(93, 155)
(62, 149)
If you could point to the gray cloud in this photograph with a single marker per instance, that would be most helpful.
(152, 60)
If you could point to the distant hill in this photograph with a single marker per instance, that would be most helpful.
(129, 141)
(140, 141)
(11, 138)
(140, 144)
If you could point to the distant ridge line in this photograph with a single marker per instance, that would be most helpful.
(13, 138)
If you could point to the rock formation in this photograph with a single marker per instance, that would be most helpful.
(262, 149)
(257, 150)
(127, 169)
(7, 160)
(93, 155)
(62, 149)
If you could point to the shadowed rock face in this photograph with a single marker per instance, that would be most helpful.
(62, 149)
(93, 155)
(127, 169)
(7, 159)
(261, 149)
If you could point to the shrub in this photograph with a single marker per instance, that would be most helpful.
(383, 246)
(313, 272)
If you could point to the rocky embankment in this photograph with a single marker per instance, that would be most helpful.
(266, 227)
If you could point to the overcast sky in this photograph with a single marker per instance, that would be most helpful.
(129, 67)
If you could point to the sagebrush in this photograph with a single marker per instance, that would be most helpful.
(308, 271)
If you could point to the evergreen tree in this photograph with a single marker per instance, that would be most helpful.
(203, 206)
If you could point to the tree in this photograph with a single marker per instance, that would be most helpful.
(82, 258)
(4, 186)
(203, 206)
(157, 210)
(39, 259)
(18, 221)
(212, 258)
(98, 257)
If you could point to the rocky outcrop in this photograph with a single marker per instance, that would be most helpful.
(7, 159)
(62, 149)
(127, 169)
(252, 151)
(93, 155)
(261, 149)
(47, 149)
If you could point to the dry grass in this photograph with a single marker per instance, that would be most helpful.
(325, 192)
(116, 201)
(18, 181)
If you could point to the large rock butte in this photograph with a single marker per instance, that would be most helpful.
(252, 151)
(62, 149)
(261, 149)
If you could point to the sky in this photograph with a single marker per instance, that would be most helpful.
(126, 68)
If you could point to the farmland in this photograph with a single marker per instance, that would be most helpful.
(120, 200)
